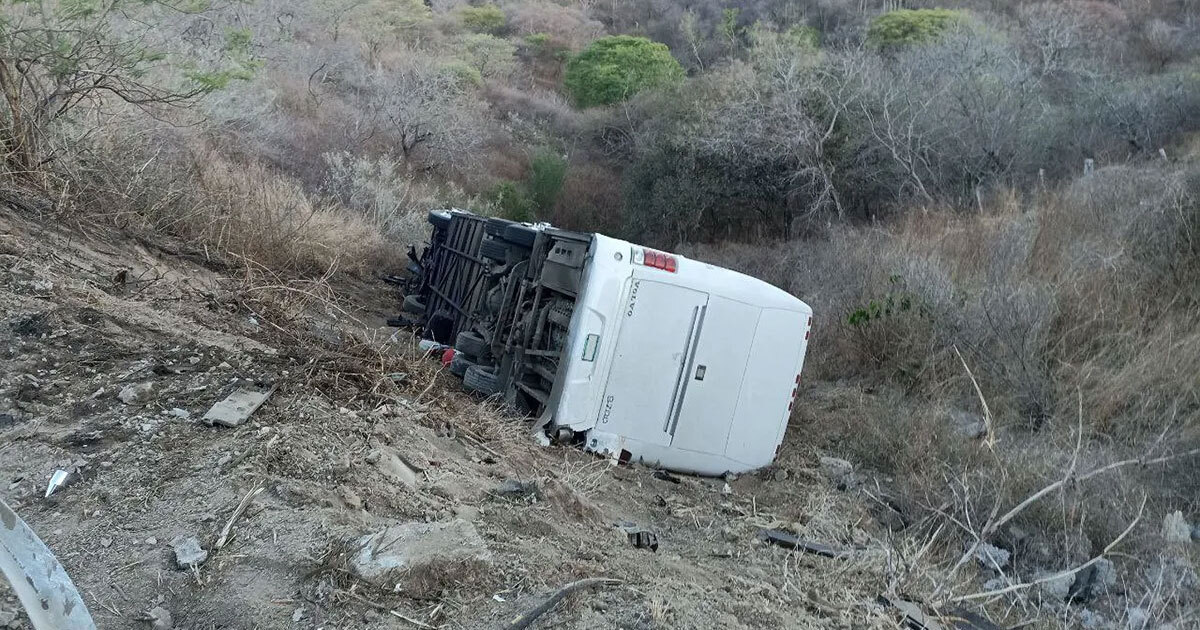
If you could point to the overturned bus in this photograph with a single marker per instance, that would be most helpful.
(633, 353)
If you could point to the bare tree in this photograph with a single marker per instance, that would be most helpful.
(56, 57)
(427, 109)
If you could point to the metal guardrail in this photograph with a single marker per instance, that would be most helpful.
(50, 598)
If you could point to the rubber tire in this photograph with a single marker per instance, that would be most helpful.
(414, 305)
(481, 380)
(496, 227)
(494, 250)
(470, 344)
(459, 364)
(520, 234)
(439, 219)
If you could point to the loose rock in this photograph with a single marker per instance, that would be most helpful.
(410, 545)
(1136, 618)
(1057, 589)
(1175, 529)
(466, 512)
(517, 489)
(160, 618)
(839, 471)
(188, 553)
(835, 467)
(1092, 620)
(8, 618)
(350, 498)
(392, 466)
(967, 424)
(136, 394)
(991, 556)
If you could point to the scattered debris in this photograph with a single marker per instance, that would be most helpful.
(7, 420)
(639, 537)
(991, 556)
(917, 619)
(1175, 529)
(8, 618)
(789, 541)
(57, 480)
(524, 620)
(182, 414)
(666, 476)
(515, 489)
(241, 507)
(237, 407)
(136, 394)
(188, 554)
(414, 544)
(35, 325)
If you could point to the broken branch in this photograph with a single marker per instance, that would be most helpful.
(523, 621)
(1069, 572)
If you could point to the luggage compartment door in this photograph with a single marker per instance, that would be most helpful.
(659, 327)
(706, 408)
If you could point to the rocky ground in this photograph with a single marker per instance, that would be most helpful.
(377, 493)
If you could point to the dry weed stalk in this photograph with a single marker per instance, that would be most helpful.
(1069, 572)
(994, 523)
(990, 440)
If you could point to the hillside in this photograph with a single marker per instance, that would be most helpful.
(992, 207)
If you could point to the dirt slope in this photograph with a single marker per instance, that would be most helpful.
(88, 314)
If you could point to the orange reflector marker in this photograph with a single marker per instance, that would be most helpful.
(658, 260)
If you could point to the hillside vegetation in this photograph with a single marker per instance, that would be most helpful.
(993, 208)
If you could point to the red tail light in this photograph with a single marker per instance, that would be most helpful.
(658, 260)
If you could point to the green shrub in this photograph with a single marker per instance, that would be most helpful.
(513, 202)
(483, 19)
(547, 171)
(463, 72)
(911, 26)
(537, 40)
(612, 69)
(804, 36)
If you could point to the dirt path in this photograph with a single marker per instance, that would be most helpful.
(86, 317)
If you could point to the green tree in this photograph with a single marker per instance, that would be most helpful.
(903, 27)
(513, 202)
(547, 172)
(483, 19)
(615, 68)
(491, 56)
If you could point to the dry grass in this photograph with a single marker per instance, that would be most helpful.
(1076, 311)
